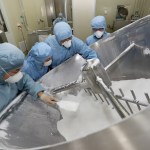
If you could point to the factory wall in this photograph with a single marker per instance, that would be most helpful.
(83, 11)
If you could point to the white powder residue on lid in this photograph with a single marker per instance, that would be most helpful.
(3, 134)
(4, 125)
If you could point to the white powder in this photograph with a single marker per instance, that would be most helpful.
(3, 134)
(140, 86)
(68, 105)
(94, 115)
(4, 125)
(91, 116)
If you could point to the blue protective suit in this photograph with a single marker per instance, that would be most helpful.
(63, 31)
(97, 23)
(33, 65)
(11, 58)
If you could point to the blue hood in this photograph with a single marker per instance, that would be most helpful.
(10, 58)
(62, 31)
(98, 22)
(40, 52)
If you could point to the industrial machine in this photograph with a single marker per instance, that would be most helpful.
(2, 37)
(119, 83)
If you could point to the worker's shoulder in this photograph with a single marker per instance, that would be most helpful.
(50, 38)
(27, 65)
(90, 37)
(76, 38)
(107, 33)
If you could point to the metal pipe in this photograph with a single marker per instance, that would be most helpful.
(107, 68)
(123, 107)
(89, 92)
(133, 94)
(129, 106)
(147, 97)
(112, 90)
(119, 108)
(68, 86)
(121, 92)
(131, 101)
(95, 95)
(66, 14)
(106, 99)
(101, 98)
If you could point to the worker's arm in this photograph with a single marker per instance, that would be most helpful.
(85, 51)
(34, 89)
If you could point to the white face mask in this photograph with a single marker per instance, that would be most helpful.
(47, 63)
(67, 44)
(99, 34)
(15, 78)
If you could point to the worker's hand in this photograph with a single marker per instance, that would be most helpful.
(47, 98)
(93, 62)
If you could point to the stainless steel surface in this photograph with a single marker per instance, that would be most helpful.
(100, 71)
(90, 77)
(44, 31)
(89, 81)
(116, 60)
(71, 86)
(3, 37)
(33, 123)
(131, 133)
(32, 39)
(68, 11)
(120, 23)
(12, 105)
(119, 108)
(64, 73)
(30, 124)
(50, 11)
(110, 48)
(54, 7)
(60, 6)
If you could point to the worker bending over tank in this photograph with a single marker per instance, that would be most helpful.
(13, 81)
(65, 45)
(38, 60)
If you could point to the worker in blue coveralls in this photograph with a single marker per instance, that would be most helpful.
(98, 25)
(13, 81)
(65, 45)
(38, 60)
